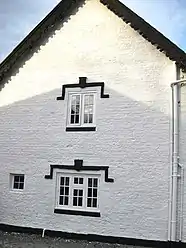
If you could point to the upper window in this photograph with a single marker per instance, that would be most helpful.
(77, 192)
(81, 110)
(17, 181)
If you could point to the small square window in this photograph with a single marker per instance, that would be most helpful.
(17, 181)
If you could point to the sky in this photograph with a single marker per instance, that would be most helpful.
(19, 17)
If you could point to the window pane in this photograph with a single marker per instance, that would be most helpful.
(76, 118)
(89, 192)
(94, 192)
(72, 119)
(21, 179)
(75, 109)
(86, 118)
(66, 200)
(67, 191)
(89, 202)
(90, 182)
(90, 118)
(61, 190)
(16, 185)
(62, 181)
(94, 202)
(61, 200)
(67, 181)
(80, 180)
(21, 185)
(74, 201)
(95, 182)
(80, 192)
(80, 201)
(16, 178)
(75, 192)
(75, 180)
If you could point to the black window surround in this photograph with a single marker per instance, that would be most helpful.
(83, 84)
(78, 166)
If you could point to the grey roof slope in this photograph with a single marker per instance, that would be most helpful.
(61, 13)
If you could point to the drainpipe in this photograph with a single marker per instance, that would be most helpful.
(175, 156)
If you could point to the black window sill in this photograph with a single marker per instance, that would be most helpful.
(80, 129)
(77, 212)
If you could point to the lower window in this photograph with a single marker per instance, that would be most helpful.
(78, 192)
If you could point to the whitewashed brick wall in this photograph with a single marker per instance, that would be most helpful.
(132, 135)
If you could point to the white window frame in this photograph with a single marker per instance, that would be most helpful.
(73, 186)
(81, 112)
(12, 178)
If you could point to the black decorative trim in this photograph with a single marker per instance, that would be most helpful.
(162, 43)
(83, 84)
(76, 212)
(80, 129)
(78, 166)
(94, 237)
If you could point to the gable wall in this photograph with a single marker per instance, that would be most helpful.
(132, 128)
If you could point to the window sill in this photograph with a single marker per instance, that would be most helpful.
(80, 129)
(77, 212)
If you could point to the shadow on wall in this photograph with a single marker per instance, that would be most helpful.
(132, 138)
(127, 130)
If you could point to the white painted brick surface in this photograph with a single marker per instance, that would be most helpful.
(132, 134)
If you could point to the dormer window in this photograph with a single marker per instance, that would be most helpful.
(81, 111)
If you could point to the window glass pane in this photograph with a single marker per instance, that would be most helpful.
(62, 181)
(75, 109)
(75, 192)
(66, 200)
(88, 108)
(75, 180)
(80, 192)
(74, 201)
(67, 181)
(86, 118)
(16, 185)
(76, 118)
(94, 192)
(67, 191)
(80, 180)
(95, 182)
(21, 179)
(89, 192)
(80, 201)
(90, 118)
(61, 200)
(94, 203)
(89, 202)
(16, 178)
(61, 190)
(90, 182)
(72, 119)
(21, 185)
